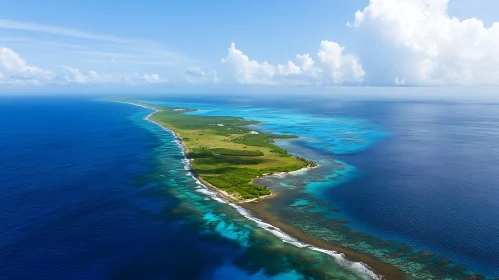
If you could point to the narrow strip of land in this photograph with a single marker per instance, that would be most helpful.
(225, 153)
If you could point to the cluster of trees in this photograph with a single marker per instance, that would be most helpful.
(287, 168)
(225, 157)
(230, 152)
(222, 160)
(234, 179)
(238, 181)
(258, 140)
(309, 162)
(228, 169)
(186, 121)
(280, 151)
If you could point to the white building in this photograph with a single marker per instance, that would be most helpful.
(253, 132)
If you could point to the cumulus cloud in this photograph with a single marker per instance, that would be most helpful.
(333, 67)
(416, 42)
(154, 79)
(80, 78)
(77, 77)
(339, 68)
(195, 75)
(198, 76)
(248, 71)
(406, 42)
(398, 42)
(15, 71)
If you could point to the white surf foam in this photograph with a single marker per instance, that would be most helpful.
(358, 268)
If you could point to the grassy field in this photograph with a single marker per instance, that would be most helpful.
(227, 154)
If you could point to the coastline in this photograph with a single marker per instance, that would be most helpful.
(222, 193)
(277, 174)
(374, 268)
(354, 261)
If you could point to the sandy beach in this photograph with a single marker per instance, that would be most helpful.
(256, 209)
(388, 271)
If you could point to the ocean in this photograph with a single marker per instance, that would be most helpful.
(92, 190)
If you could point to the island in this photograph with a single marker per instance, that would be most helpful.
(225, 154)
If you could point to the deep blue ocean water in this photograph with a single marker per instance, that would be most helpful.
(434, 184)
(419, 173)
(90, 190)
(69, 210)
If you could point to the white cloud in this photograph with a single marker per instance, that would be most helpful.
(339, 68)
(334, 67)
(308, 65)
(77, 77)
(405, 42)
(154, 79)
(18, 25)
(197, 75)
(15, 71)
(289, 69)
(103, 53)
(416, 42)
(399, 42)
(248, 71)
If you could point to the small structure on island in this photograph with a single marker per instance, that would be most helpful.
(219, 124)
(179, 109)
(253, 132)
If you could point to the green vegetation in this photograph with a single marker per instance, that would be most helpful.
(225, 154)
(229, 152)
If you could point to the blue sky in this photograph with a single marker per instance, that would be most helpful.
(203, 29)
(157, 45)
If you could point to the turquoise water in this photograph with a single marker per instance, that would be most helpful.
(336, 135)
(204, 207)
(91, 189)
(306, 202)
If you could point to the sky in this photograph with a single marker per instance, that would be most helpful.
(245, 45)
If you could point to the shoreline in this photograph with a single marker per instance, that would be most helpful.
(381, 270)
(222, 193)
(278, 174)
(352, 260)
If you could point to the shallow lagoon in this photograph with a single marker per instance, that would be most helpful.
(166, 225)
(326, 140)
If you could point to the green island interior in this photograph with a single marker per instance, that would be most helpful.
(225, 153)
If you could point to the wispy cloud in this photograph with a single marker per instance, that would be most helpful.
(77, 77)
(50, 29)
(100, 53)
(134, 46)
(197, 75)
(15, 71)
